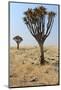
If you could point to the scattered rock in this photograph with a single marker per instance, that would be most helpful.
(32, 63)
(13, 75)
(52, 59)
(46, 71)
(23, 62)
(33, 79)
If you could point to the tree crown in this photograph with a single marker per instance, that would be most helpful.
(35, 19)
(18, 39)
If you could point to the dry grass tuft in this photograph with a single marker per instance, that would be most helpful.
(25, 69)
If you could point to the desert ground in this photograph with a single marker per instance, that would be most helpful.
(25, 68)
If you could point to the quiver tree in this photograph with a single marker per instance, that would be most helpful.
(18, 40)
(39, 22)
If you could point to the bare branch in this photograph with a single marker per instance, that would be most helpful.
(50, 19)
(35, 21)
(49, 23)
(50, 27)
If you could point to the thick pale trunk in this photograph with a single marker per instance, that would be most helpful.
(42, 61)
(17, 45)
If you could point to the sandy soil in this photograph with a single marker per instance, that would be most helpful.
(25, 68)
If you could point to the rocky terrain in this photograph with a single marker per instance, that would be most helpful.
(25, 68)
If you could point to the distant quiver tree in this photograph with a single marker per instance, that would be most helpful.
(18, 40)
(39, 22)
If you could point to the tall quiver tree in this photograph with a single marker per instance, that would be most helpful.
(39, 22)
(18, 40)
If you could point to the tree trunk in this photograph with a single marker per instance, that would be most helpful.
(42, 61)
(18, 46)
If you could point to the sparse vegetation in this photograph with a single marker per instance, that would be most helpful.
(26, 71)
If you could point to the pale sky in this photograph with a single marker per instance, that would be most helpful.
(18, 27)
